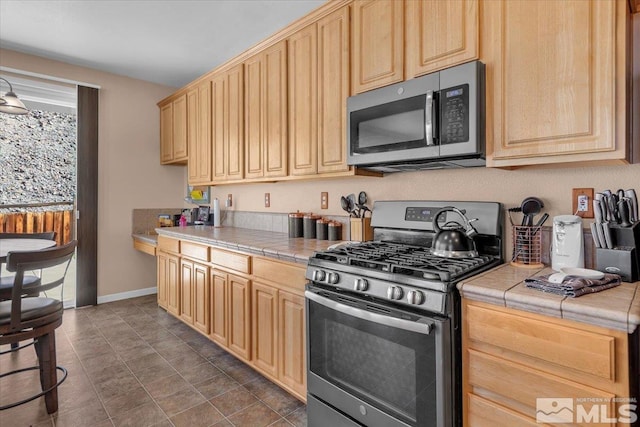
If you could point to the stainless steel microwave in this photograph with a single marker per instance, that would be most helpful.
(433, 121)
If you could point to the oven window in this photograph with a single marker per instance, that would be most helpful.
(389, 368)
(392, 126)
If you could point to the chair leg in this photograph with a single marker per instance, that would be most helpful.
(46, 350)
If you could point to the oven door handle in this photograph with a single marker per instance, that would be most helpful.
(423, 326)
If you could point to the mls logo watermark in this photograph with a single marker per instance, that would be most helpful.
(552, 410)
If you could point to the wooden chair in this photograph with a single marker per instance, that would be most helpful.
(25, 318)
(30, 280)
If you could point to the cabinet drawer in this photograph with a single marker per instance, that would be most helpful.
(232, 260)
(501, 381)
(168, 244)
(283, 273)
(147, 248)
(194, 250)
(484, 413)
(576, 349)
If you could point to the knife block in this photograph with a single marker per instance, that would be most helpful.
(624, 259)
(361, 230)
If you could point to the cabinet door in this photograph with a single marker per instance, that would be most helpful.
(551, 80)
(303, 114)
(239, 308)
(377, 57)
(333, 90)
(291, 335)
(180, 128)
(186, 290)
(235, 123)
(166, 133)
(201, 297)
(254, 100)
(440, 34)
(264, 332)
(192, 135)
(203, 145)
(173, 284)
(162, 279)
(218, 128)
(218, 305)
(275, 110)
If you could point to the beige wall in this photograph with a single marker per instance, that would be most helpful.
(130, 175)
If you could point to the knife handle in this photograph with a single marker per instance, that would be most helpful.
(597, 211)
(634, 215)
(594, 235)
(623, 209)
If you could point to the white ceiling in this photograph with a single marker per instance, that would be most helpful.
(163, 41)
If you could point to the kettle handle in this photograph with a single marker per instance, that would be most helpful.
(470, 231)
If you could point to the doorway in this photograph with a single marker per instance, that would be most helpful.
(38, 166)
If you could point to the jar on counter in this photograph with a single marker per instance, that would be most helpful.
(322, 229)
(334, 230)
(295, 224)
(309, 225)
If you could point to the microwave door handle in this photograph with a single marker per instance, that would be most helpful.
(428, 119)
(424, 327)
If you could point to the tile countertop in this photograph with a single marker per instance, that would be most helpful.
(266, 243)
(615, 308)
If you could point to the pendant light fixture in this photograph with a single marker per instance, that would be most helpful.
(9, 102)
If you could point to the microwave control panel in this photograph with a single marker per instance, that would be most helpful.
(454, 114)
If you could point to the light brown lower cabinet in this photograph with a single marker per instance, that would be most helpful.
(251, 306)
(230, 311)
(512, 359)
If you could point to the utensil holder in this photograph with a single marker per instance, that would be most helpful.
(527, 247)
(361, 230)
(623, 261)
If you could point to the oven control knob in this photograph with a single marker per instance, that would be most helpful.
(395, 292)
(333, 278)
(415, 297)
(318, 275)
(361, 285)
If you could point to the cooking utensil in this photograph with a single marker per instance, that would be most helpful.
(344, 203)
(352, 204)
(584, 273)
(631, 194)
(531, 206)
(454, 240)
(362, 200)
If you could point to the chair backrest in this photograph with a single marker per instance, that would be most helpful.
(47, 235)
(54, 260)
(22, 261)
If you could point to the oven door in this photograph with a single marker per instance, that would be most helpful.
(376, 364)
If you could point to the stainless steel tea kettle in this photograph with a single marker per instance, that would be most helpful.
(454, 240)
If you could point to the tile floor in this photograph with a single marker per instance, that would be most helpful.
(132, 364)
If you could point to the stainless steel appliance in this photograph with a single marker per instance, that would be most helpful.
(433, 121)
(383, 319)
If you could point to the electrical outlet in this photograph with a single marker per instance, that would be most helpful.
(583, 202)
(324, 200)
(229, 202)
(267, 200)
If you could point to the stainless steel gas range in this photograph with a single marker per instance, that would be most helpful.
(383, 319)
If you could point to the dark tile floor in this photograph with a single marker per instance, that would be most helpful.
(132, 364)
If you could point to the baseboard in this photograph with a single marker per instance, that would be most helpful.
(126, 295)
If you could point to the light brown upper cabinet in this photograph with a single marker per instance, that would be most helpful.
(557, 88)
(266, 113)
(199, 133)
(333, 90)
(378, 43)
(303, 108)
(173, 131)
(440, 34)
(228, 125)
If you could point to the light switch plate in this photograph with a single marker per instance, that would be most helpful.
(324, 200)
(267, 200)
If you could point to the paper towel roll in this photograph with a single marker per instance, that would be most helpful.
(216, 212)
